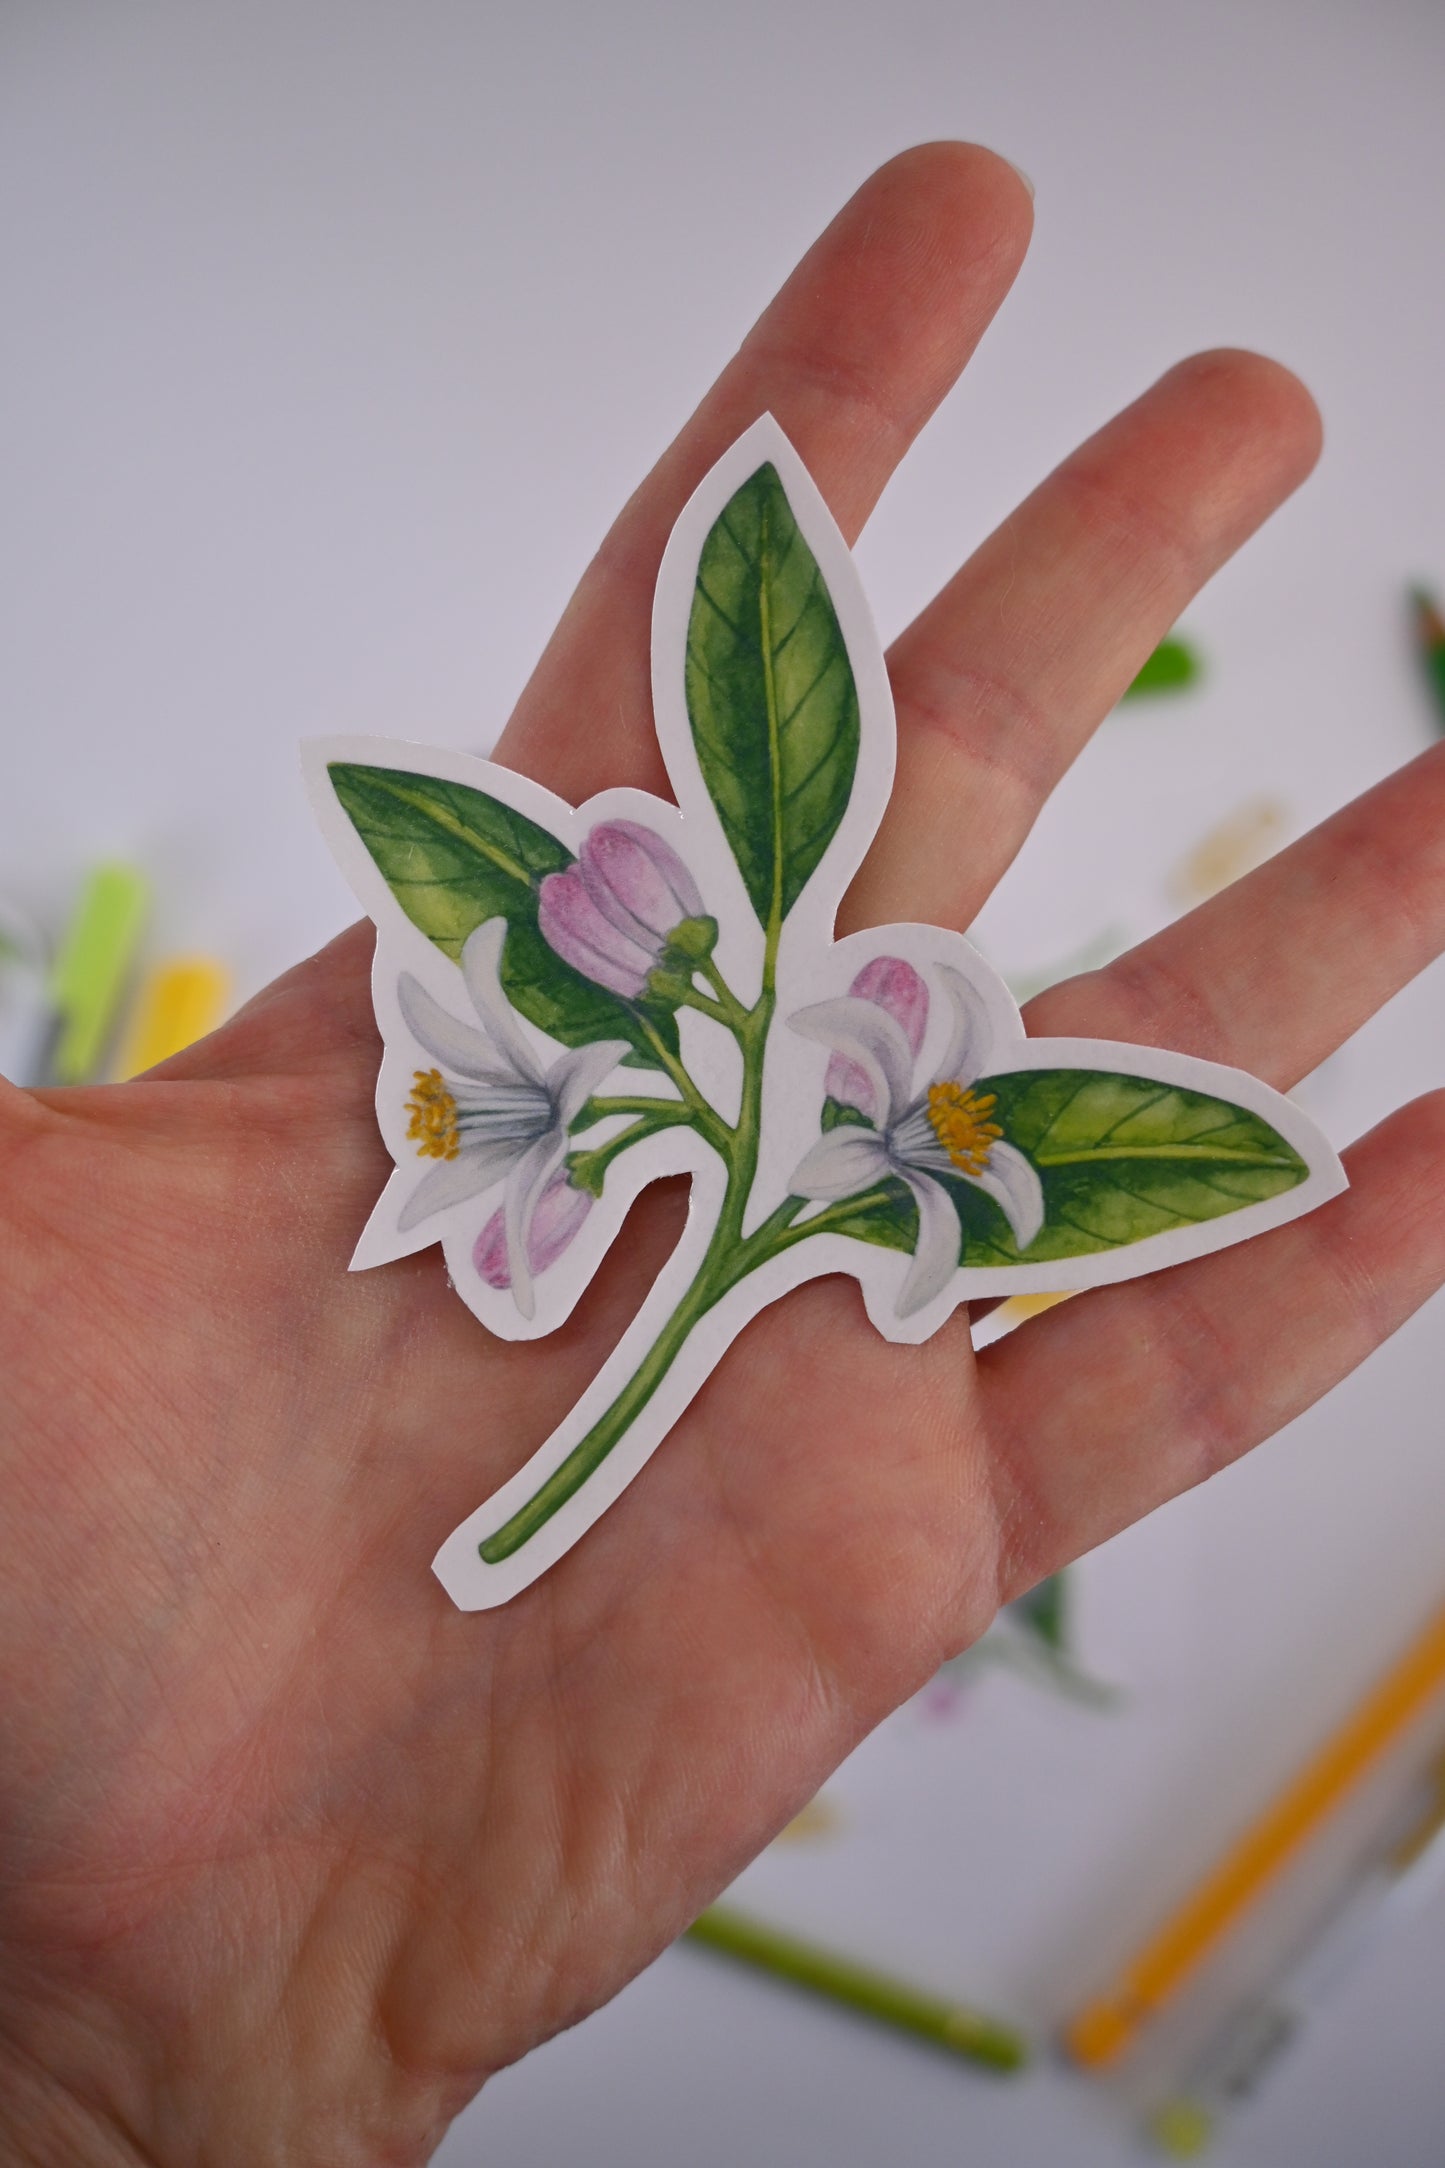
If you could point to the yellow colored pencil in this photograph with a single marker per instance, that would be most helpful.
(181, 1000)
(1105, 2028)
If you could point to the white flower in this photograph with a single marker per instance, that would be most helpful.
(490, 1113)
(941, 1130)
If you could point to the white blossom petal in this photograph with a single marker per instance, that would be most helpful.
(843, 1163)
(935, 1254)
(972, 1040)
(1013, 1183)
(866, 1034)
(476, 1168)
(573, 1078)
(525, 1184)
(457, 1046)
(481, 968)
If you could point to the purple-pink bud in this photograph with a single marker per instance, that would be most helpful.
(638, 882)
(610, 915)
(560, 1211)
(573, 926)
(897, 988)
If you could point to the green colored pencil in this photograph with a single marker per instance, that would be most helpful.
(1430, 643)
(951, 2025)
(90, 971)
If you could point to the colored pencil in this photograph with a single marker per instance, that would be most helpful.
(180, 1001)
(92, 967)
(1385, 1888)
(26, 1023)
(957, 2027)
(1107, 2026)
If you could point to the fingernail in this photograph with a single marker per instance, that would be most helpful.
(1028, 184)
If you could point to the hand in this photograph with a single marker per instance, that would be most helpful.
(294, 1854)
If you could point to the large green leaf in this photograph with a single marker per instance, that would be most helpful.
(1120, 1158)
(453, 858)
(770, 695)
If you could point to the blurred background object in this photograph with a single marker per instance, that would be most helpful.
(180, 1000)
(92, 1015)
(92, 969)
(336, 333)
(1430, 643)
(25, 1014)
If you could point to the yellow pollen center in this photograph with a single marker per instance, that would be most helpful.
(433, 1126)
(960, 1122)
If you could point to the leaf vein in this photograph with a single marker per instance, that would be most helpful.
(716, 607)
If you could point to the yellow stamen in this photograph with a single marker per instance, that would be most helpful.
(433, 1110)
(960, 1122)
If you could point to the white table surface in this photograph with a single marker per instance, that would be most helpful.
(335, 331)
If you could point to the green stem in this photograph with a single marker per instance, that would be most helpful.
(728, 1257)
(766, 1240)
(832, 1217)
(727, 1261)
(590, 1164)
(590, 1452)
(599, 1109)
(735, 1015)
(692, 999)
(709, 1121)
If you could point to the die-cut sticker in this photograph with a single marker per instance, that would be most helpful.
(576, 1001)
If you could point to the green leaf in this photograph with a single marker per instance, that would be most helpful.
(573, 1008)
(770, 695)
(838, 1114)
(1120, 1158)
(453, 858)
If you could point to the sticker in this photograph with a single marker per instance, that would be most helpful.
(576, 1001)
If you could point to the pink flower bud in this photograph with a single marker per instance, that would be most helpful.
(560, 1211)
(573, 926)
(897, 989)
(638, 882)
(611, 914)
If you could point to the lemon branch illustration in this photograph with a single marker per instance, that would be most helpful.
(919, 1120)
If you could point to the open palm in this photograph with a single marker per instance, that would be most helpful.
(293, 1854)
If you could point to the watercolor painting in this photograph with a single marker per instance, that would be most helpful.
(576, 1001)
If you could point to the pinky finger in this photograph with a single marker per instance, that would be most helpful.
(1107, 1406)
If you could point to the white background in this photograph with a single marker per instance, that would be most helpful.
(334, 334)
